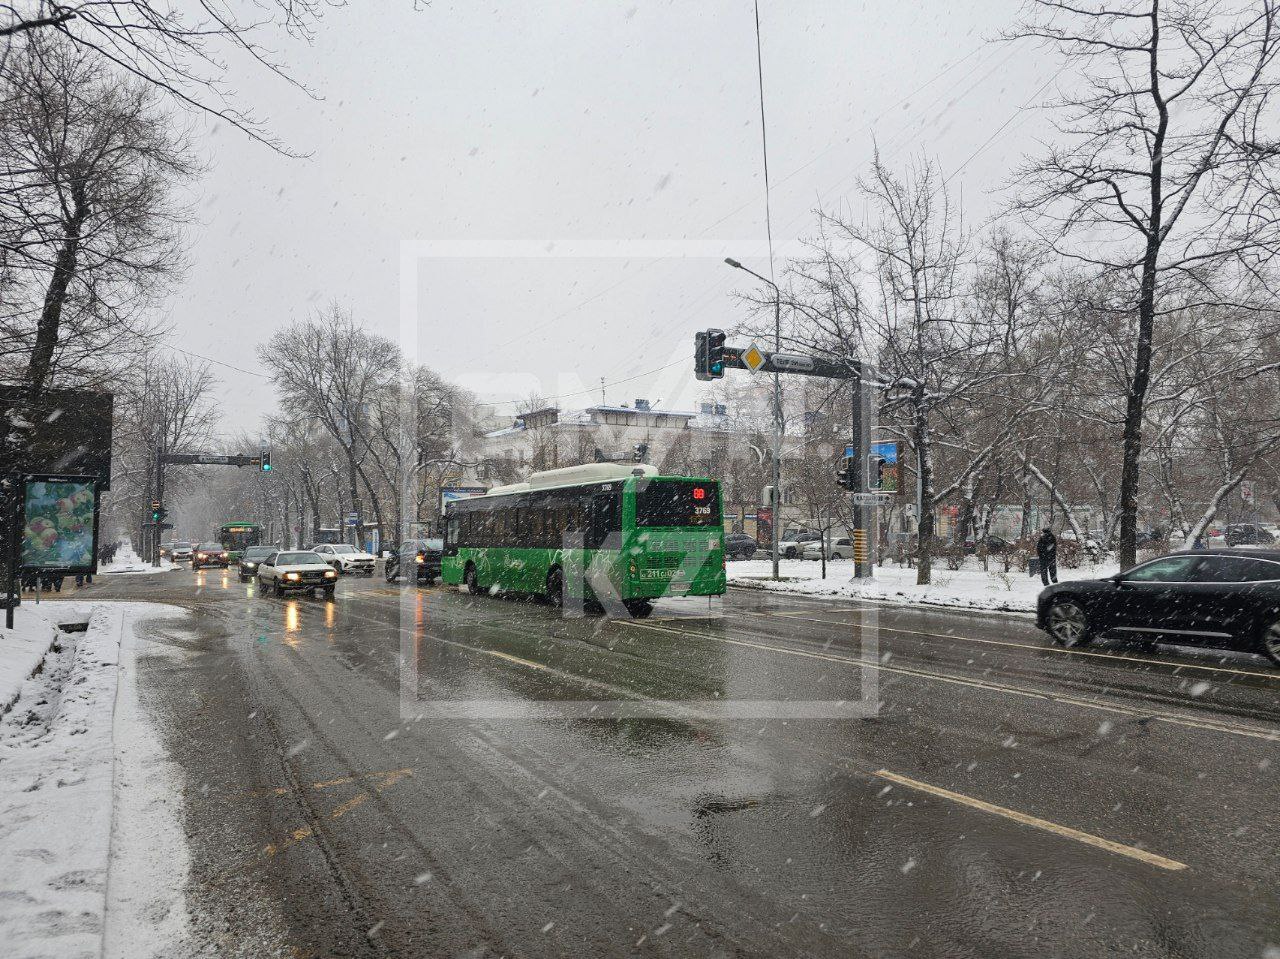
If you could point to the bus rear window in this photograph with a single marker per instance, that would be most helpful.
(677, 503)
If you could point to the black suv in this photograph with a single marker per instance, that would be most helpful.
(424, 555)
(1216, 597)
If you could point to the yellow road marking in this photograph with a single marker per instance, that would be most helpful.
(1150, 858)
(1046, 649)
(389, 779)
(1271, 735)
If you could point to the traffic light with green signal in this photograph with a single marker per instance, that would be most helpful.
(266, 460)
(708, 354)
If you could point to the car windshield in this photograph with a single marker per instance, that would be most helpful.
(298, 559)
(210, 547)
(343, 548)
(181, 545)
(257, 552)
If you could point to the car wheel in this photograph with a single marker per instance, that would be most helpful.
(471, 579)
(555, 587)
(279, 590)
(639, 608)
(392, 573)
(329, 591)
(1068, 623)
(1271, 642)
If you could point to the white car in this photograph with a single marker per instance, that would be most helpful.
(839, 548)
(792, 544)
(288, 570)
(180, 552)
(346, 559)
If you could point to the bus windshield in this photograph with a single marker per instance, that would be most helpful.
(671, 502)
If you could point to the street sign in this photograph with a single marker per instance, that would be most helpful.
(1247, 491)
(753, 359)
(792, 363)
(353, 519)
(870, 499)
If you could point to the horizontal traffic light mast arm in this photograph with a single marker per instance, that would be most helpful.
(209, 459)
(793, 363)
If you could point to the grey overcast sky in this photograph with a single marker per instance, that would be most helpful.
(573, 173)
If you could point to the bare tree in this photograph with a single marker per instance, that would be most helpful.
(330, 369)
(89, 228)
(1163, 180)
(182, 53)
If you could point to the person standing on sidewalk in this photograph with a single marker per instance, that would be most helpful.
(1047, 554)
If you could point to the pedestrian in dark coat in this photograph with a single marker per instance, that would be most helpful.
(1047, 554)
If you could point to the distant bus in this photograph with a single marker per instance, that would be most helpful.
(237, 537)
(653, 535)
(327, 535)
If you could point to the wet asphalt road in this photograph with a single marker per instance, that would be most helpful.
(1007, 799)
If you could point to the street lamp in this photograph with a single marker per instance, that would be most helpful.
(777, 412)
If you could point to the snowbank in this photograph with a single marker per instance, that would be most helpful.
(62, 762)
(127, 561)
(22, 649)
(967, 588)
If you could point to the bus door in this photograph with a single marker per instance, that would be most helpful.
(606, 518)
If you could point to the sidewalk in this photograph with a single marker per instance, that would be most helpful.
(967, 588)
(88, 815)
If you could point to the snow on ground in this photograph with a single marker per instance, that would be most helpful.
(21, 650)
(969, 588)
(127, 561)
(74, 740)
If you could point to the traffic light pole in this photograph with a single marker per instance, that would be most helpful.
(866, 534)
(156, 530)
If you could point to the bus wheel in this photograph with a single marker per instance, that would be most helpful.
(555, 587)
(639, 608)
(471, 580)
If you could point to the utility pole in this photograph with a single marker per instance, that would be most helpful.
(866, 514)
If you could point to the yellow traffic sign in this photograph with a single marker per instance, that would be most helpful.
(753, 358)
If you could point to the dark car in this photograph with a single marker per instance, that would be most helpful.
(210, 554)
(739, 546)
(1216, 597)
(1248, 534)
(989, 543)
(252, 558)
(424, 555)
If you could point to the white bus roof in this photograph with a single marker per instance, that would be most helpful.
(582, 475)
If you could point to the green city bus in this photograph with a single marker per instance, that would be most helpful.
(651, 535)
(237, 537)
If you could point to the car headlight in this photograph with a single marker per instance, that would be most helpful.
(199, 555)
(328, 574)
(249, 565)
(421, 558)
(293, 576)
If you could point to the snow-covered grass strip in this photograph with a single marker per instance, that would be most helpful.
(58, 770)
(970, 587)
(22, 650)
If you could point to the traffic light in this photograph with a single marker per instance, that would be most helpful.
(708, 355)
(157, 511)
(847, 473)
(715, 354)
(266, 460)
(877, 471)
